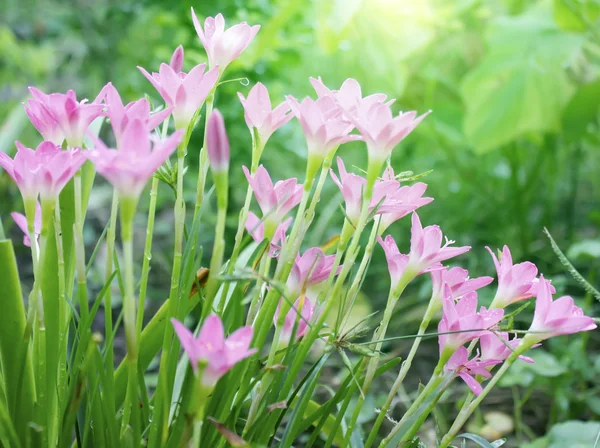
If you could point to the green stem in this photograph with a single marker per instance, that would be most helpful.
(108, 321)
(80, 250)
(147, 255)
(344, 309)
(466, 412)
(434, 382)
(204, 163)
(216, 261)
(237, 246)
(263, 271)
(379, 334)
(406, 364)
(162, 395)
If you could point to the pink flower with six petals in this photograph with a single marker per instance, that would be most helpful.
(323, 123)
(558, 317)
(309, 270)
(258, 113)
(277, 200)
(515, 282)
(44, 171)
(459, 362)
(59, 116)
(129, 168)
(211, 347)
(185, 93)
(301, 312)
(223, 45)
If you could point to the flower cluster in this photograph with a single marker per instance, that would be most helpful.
(292, 292)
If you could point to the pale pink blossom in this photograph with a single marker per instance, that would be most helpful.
(256, 228)
(556, 317)
(462, 323)
(59, 116)
(185, 93)
(277, 200)
(259, 115)
(405, 200)
(515, 282)
(121, 115)
(397, 262)
(133, 164)
(426, 248)
(352, 187)
(21, 222)
(496, 345)
(323, 123)
(458, 280)
(44, 171)
(466, 369)
(211, 348)
(309, 270)
(298, 316)
(381, 130)
(217, 142)
(223, 45)
(349, 96)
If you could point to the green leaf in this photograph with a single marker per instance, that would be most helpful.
(574, 434)
(520, 86)
(546, 364)
(582, 110)
(481, 441)
(575, 15)
(586, 249)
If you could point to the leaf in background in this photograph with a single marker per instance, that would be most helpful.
(585, 249)
(481, 441)
(575, 15)
(573, 434)
(520, 86)
(581, 111)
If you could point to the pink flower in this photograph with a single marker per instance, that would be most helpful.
(256, 228)
(425, 246)
(401, 202)
(558, 317)
(349, 96)
(459, 362)
(121, 116)
(21, 221)
(462, 323)
(277, 200)
(396, 261)
(59, 116)
(309, 270)
(258, 113)
(44, 171)
(458, 280)
(223, 46)
(381, 130)
(496, 345)
(352, 187)
(212, 348)
(515, 282)
(129, 168)
(185, 93)
(323, 124)
(301, 312)
(217, 142)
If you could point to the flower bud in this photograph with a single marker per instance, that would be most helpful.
(217, 142)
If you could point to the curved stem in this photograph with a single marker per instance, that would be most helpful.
(263, 271)
(406, 364)
(147, 255)
(344, 309)
(465, 413)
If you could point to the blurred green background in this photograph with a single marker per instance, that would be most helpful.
(513, 141)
